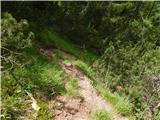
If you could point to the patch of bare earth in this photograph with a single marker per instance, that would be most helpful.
(71, 108)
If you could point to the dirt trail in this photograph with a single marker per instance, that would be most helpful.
(81, 108)
(78, 108)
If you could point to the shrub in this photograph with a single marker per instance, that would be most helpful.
(132, 70)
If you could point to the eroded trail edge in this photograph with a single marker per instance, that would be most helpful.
(81, 108)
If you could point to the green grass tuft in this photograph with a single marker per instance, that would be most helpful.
(72, 87)
(84, 67)
(102, 115)
(59, 54)
(121, 104)
(44, 112)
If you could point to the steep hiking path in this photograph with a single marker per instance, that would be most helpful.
(81, 108)
(67, 107)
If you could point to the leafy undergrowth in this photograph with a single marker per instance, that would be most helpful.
(133, 70)
(42, 78)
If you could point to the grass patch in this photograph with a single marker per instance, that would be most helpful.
(49, 37)
(40, 76)
(157, 117)
(72, 87)
(59, 54)
(102, 115)
(121, 104)
(84, 67)
(44, 112)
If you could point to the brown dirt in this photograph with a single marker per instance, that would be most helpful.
(71, 108)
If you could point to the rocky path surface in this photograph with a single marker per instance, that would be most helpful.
(81, 108)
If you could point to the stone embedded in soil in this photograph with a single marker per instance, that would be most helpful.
(57, 112)
(68, 65)
(69, 102)
(63, 116)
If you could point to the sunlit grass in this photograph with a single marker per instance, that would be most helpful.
(102, 115)
(44, 113)
(72, 87)
(49, 37)
(121, 104)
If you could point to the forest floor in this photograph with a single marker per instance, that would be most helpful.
(87, 101)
